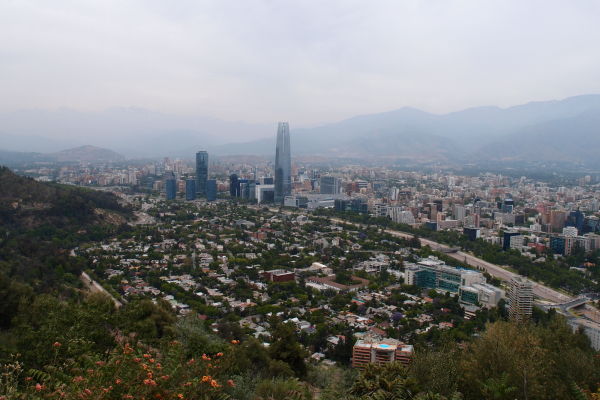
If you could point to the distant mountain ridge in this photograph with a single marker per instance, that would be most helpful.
(85, 153)
(480, 133)
(470, 134)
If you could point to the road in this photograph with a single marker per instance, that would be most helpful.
(539, 290)
(95, 287)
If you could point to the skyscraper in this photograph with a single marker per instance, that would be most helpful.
(170, 186)
(283, 163)
(211, 190)
(201, 172)
(190, 189)
(521, 299)
(234, 186)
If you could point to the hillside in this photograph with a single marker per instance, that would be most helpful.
(87, 154)
(575, 139)
(26, 203)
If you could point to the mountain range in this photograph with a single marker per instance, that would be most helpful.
(563, 130)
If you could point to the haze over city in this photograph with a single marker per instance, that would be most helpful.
(307, 200)
(308, 62)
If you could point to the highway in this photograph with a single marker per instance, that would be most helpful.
(539, 290)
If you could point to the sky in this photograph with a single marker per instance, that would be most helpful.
(304, 61)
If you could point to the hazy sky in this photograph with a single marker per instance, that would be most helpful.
(303, 61)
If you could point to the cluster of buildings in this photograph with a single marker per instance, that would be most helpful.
(470, 286)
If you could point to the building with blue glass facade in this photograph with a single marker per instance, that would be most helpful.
(283, 163)
(211, 190)
(170, 187)
(469, 285)
(190, 189)
(201, 172)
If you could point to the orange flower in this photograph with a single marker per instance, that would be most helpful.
(235, 342)
(38, 387)
(150, 382)
(180, 396)
(87, 392)
(191, 361)
(147, 356)
(205, 357)
(137, 359)
(118, 381)
(56, 344)
(78, 379)
(206, 378)
(219, 354)
(100, 363)
(231, 383)
(214, 384)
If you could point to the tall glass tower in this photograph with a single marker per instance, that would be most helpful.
(201, 171)
(283, 163)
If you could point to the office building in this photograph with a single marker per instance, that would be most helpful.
(234, 186)
(353, 205)
(400, 216)
(265, 193)
(201, 172)
(190, 189)
(472, 233)
(469, 285)
(283, 163)
(507, 239)
(330, 185)
(170, 186)
(374, 351)
(576, 219)
(521, 299)
(211, 190)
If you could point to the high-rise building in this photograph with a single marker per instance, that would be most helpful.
(211, 190)
(506, 240)
(201, 172)
(170, 186)
(234, 186)
(283, 163)
(190, 189)
(330, 185)
(521, 299)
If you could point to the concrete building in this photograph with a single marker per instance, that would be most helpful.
(372, 351)
(279, 275)
(521, 299)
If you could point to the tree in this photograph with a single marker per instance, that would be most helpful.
(285, 347)
(384, 382)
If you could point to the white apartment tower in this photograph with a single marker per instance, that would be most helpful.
(521, 299)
